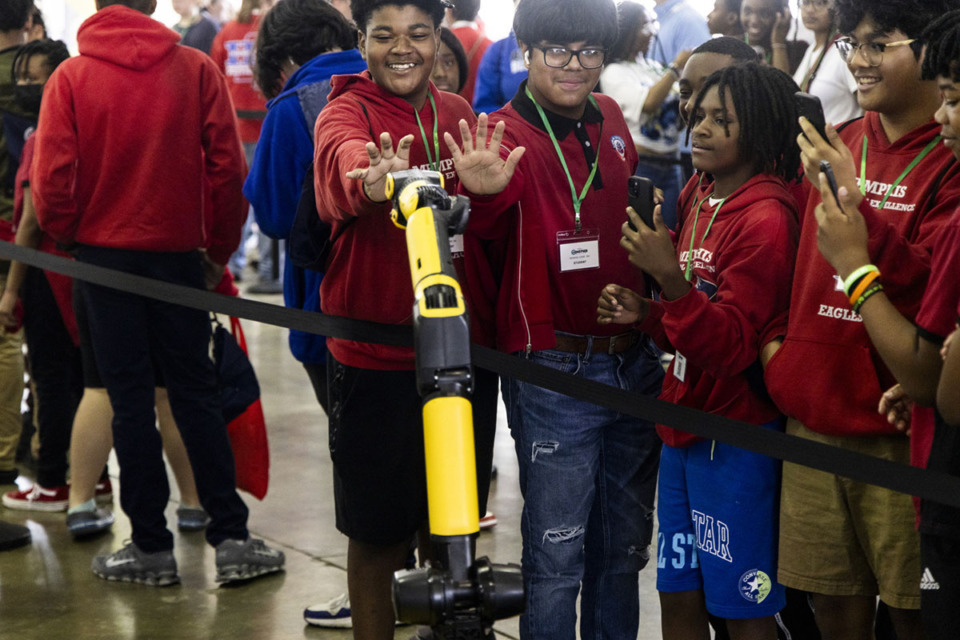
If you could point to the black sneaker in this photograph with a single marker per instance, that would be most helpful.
(246, 559)
(88, 523)
(130, 564)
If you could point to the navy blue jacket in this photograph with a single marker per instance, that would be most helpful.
(284, 153)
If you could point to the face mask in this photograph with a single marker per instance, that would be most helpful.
(28, 97)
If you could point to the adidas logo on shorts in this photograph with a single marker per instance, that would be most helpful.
(927, 582)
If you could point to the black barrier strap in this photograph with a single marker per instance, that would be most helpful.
(929, 485)
(251, 114)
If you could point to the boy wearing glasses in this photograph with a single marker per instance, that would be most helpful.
(587, 474)
(846, 541)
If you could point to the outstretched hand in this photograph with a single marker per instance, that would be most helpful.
(619, 305)
(481, 169)
(383, 160)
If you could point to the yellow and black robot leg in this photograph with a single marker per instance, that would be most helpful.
(459, 596)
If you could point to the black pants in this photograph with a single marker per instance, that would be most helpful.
(57, 376)
(129, 334)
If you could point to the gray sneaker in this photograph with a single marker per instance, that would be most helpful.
(87, 523)
(130, 564)
(245, 559)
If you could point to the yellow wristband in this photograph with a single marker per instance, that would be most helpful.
(856, 275)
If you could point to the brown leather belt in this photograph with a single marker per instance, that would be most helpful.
(610, 345)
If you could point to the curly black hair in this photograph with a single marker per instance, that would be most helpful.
(52, 51)
(762, 97)
(565, 21)
(297, 30)
(942, 39)
(363, 9)
(910, 17)
(14, 14)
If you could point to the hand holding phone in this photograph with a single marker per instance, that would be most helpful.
(640, 195)
(827, 170)
(809, 107)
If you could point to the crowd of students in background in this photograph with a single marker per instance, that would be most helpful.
(773, 246)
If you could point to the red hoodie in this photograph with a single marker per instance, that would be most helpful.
(130, 130)
(741, 275)
(368, 274)
(827, 374)
(233, 52)
(537, 297)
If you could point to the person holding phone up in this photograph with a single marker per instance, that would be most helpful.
(729, 271)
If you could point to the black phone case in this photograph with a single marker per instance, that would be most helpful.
(640, 195)
(809, 106)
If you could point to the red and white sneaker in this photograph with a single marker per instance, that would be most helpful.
(489, 520)
(38, 498)
(104, 491)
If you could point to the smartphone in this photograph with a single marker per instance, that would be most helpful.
(827, 170)
(810, 108)
(640, 195)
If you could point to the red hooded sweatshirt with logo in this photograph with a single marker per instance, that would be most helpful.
(741, 278)
(368, 273)
(827, 374)
(537, 296)
(132, 131)
(233, 51)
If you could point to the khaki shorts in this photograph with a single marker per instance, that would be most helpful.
(845, 538)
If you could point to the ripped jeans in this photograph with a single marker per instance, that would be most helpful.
(588, 477)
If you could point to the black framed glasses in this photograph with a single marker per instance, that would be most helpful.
(559, 57)
(872, 52)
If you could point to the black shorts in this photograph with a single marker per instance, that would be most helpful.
(940, 586)
(376, 444)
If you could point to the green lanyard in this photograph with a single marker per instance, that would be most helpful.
(693, 232)
(577, 200)
(863, 169)
(436, 138)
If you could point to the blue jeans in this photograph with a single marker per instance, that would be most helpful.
(588, 477)
(668, 177)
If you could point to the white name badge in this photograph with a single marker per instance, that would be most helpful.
(456, 245)
(579, 251)
(679, 367)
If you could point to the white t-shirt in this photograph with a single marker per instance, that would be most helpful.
(629, 83)
(833, 84)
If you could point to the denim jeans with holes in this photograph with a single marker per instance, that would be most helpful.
(588, 477)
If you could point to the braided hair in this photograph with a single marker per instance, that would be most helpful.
(53, 53)
(942, 39)
(762, 97)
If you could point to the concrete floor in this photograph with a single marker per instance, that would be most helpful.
(47, 590)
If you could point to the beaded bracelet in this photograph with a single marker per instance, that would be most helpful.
(877, 288)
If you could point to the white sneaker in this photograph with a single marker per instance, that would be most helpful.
(334, 614)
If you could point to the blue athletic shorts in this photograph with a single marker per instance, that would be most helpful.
(717, 508)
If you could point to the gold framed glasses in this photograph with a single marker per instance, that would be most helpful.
(872, 52)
